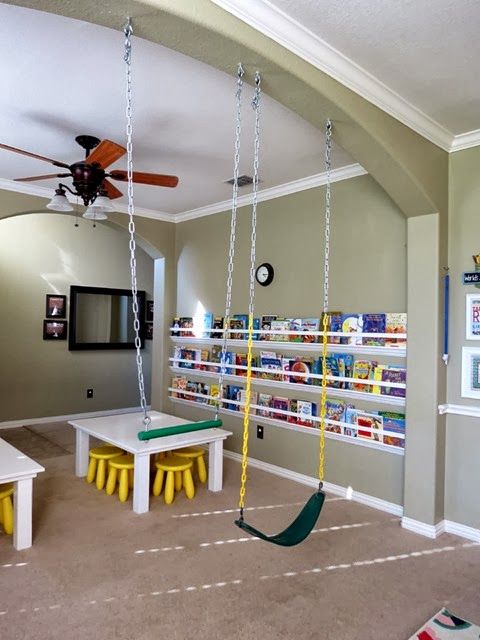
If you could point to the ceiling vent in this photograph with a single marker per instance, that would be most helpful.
(242, 181)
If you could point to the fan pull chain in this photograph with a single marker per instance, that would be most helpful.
(131, 224)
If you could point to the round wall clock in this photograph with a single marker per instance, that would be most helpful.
(264, 274)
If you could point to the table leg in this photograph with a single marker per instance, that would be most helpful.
(22, 514)
(141, 483)
(81, 453)
(215, 464)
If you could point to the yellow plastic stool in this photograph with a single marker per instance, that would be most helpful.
(179, 473)
(124, 464)
(195, 453)
(6, 507)
(97, 466)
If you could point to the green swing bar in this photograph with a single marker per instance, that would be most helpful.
(180, 428)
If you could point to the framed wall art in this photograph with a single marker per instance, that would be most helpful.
(54, 329)
(56, 306)
(472, 315)
(470, 372)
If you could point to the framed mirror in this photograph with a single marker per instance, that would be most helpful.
(102, 318)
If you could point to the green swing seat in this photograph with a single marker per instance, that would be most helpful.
(295, 532)
(181, 428)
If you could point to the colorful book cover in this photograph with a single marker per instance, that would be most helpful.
(293, 407)
(361, 371)
(350, 429)
(177, 354)
(175, 326)
(256, 328)
(241, 360)
(273, 364)
(335, 410)
(296, 325)
(264, 400)
(396, 323)
(186, 323)
(335, 324)
(310, 324)
(286, 369)
(232, 393)
(279, 403)
(305, 412)
(190, 355)
(215, 356)
(182, 386)
(394, 423)
(243, 317)
(396, 375)
(266, 325)
(207, 324)
(278, 326)
(204, 389)
(202, 356)
(214, 392)
(377, 375)
(300, 370)
(351, 323)
(217, 327)
(370, 422)
(242, 396)
(345, 367)
(317, 370)
(374, 323)
(332, 370)
(234, 325)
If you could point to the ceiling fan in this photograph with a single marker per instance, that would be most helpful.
(90, 178)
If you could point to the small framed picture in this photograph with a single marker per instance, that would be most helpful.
(149, 311)
(470, 372)
(149, 330)
(472, 314)
(56, 306)
(54, 329)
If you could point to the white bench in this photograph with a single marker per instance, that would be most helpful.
(16, 467)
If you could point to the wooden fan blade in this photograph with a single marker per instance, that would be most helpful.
(111, 189)
(106, 153)
(155, 179)
(49, 176)
(57, 163)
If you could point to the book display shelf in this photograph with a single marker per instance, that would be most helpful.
(366, 374)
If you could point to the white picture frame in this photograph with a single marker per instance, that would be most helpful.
(472, 316)
(470, 372)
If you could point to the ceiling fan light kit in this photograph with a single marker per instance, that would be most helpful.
(90, 178)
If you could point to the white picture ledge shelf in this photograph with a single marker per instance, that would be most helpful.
(472, 411)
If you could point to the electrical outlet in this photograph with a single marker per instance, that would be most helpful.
(259, 431)
(89, 393)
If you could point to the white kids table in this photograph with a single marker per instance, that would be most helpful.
(16, 467)
(121, 430)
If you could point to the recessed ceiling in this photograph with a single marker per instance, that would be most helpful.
(65, 77)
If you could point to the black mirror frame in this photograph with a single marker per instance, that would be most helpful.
(73, 345)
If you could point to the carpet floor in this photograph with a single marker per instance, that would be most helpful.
(97, 570)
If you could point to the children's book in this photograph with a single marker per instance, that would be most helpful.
(207, 324)
(279, 403)
(310, 324)
(374, 323)
(202, 356)
(350, 428)
(265, 400)
(396, 323)
(296, 325)
(371, 422)
(215, 392)
(286, 369)
(186, 323)
(335, 410)
(305, 411)
(345, 367)
(242, 396)
(234, 326)
(351, 323)
(300, 370)
(232, 393)
(215, 356)
(377, 375)
(244, 320)
(229, 359)
(335, 324)
(277, 326)
(270, 361)
(204, 389)
(397, 375)
(182, 386)
(241, 360)
(217, 327)
(332, 370)
(293, 407)
(175, 326)
(394, 423)
(361, 370)
(266, 325)
(256, 328)
(190, 355)
(177, 354)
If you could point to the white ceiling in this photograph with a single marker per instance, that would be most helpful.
(416, 59)
(65, 77)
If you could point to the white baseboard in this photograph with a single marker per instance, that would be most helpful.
(344, 492)
(10, 424)
(444, 526)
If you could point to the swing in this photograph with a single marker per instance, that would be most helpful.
(146, 434)
(303, 524)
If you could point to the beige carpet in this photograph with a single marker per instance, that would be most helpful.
(99, 571)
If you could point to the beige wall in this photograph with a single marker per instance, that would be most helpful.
(45, 253)
(462, 475)
(368, 245)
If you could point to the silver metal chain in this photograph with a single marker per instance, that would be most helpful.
(233, 231)
(128, 31)
(256, 161)
(328, 170)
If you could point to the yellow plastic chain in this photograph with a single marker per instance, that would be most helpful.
(323, 400)
(246, 413)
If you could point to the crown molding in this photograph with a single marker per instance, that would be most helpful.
(317, 180)
(277, 25)
(466, 140)
(47, 193)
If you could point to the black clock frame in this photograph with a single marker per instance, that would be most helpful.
(271, 273)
